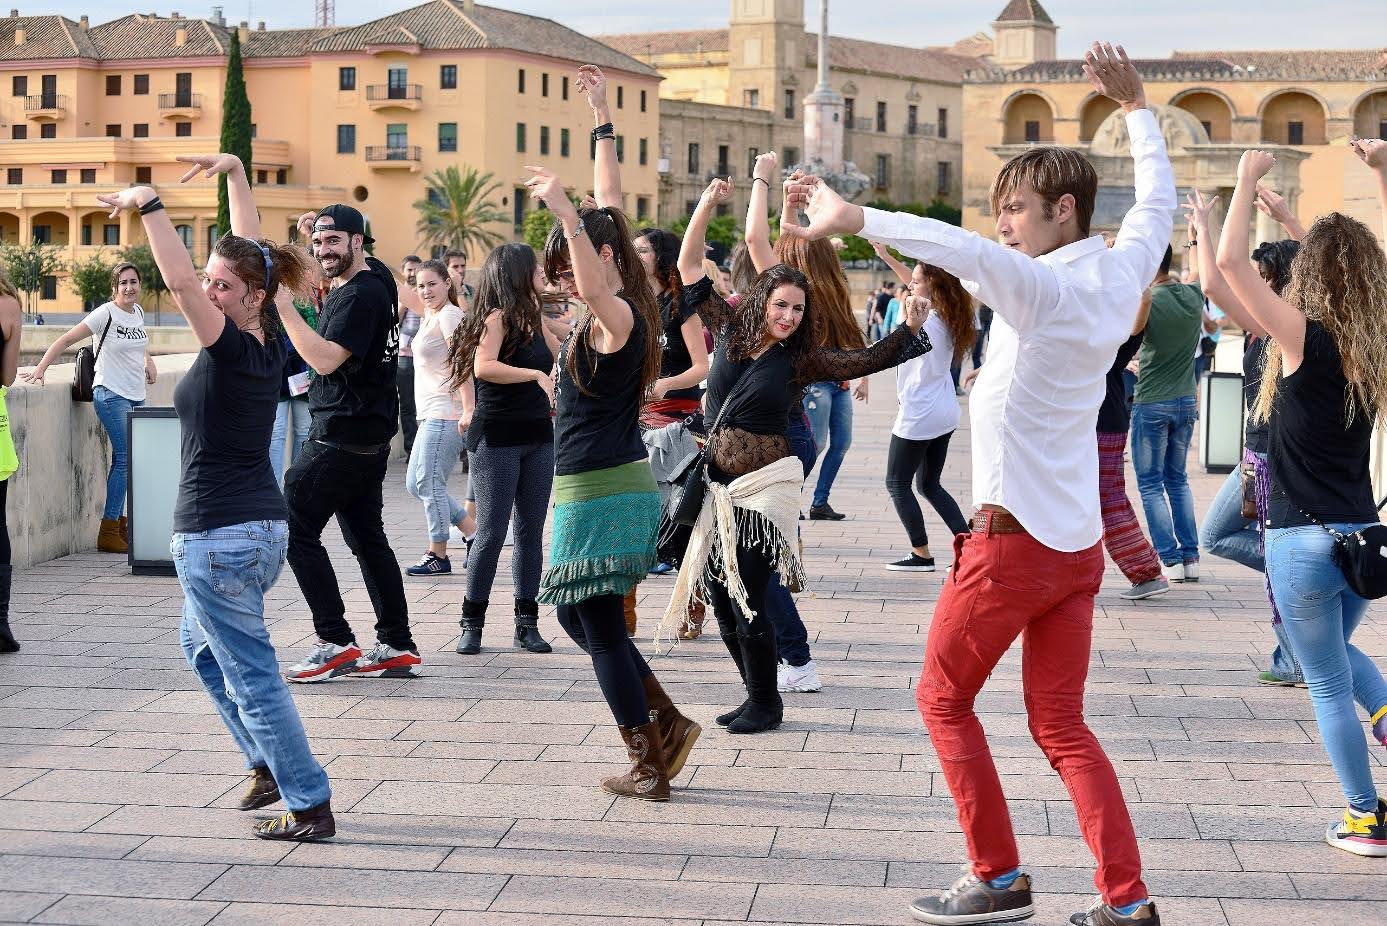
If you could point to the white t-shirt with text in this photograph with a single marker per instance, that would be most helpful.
(120, 363)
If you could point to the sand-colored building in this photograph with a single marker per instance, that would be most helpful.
(357, 114)
(1212, 105)
(730, 94)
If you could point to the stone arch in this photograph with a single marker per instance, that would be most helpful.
(1294, 116)
(1092, 113)
(9, 228)
(52, 225)
(1028, 116)
(1214, 110)
(1370, 114)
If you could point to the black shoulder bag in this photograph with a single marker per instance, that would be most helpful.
(84, 367)
(1362, 556)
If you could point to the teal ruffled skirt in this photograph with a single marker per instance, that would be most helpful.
(603, 543)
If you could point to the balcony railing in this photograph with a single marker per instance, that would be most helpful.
(45, 103)
(406, 153)
(180, 100)
(380, 93)
(922, 130)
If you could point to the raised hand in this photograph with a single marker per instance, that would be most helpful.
(1112, 74)
(1199, 210)
(829, 214)
(547, 188)
(592, 83)
(765, 167)
(129, 198)
(1255, 165)
(917, 309)
(209, 164)
(305, 226)
(717, 192)
(1371, 151)
(1271, 203)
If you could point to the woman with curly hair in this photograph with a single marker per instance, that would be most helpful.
(766, 351)
(606, 504)
(928, 414)
(1323, 389)
(504, 347)
(230, 521)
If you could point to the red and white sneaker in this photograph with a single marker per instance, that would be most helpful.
(325, 662)
(387, 662)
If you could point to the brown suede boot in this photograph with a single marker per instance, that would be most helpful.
(692, 627)
(629, 604)
(109, 539)
(648, 779)
(677, 732)
(124, 529)
(262, 791)
(309, 825)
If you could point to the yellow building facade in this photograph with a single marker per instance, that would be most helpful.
(359, 114)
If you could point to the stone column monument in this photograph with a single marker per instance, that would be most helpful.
(824, 128)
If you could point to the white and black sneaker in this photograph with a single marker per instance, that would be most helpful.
(912, 563)
(971, 900)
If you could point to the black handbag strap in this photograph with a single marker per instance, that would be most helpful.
(101, 343)
(736, 391)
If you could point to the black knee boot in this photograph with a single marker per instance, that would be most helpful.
(734, 647)
(527, 627)
(8, 644)
(473, 617)
(764, 709)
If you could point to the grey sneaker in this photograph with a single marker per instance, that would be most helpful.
(971, 900)
(1100, 914)
(1149, 589)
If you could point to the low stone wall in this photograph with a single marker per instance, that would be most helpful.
(163, 339)
(56, 497)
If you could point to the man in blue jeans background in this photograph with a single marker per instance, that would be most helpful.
(1163, 417)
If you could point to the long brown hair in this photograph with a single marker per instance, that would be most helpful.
(507, 286)
(953, 305)
(1339, 279)
(606, 225)
(748, 329)
(832, 299)
(262, 264)
(440, 270)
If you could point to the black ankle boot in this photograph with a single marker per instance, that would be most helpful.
(764, 711)
(473, 618)
(8, 644)
(734, 648)
(527, 627)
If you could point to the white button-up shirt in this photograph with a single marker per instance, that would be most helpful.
(1059, 321)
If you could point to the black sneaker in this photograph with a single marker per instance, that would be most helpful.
(824, 512)
(1100, 914)
(971, 900)
(912, 563)
(431, 565)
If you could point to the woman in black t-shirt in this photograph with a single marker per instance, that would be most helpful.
(1323, 388)
(505, 348)
(230, 531)
(606, 506)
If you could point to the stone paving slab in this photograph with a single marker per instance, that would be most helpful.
(468, 796)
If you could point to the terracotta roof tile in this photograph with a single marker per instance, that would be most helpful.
(45, 37)
(1307, 65)
(282, 43)
(142, 36)
(1024, 11)
(641, 45)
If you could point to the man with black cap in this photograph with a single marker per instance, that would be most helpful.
(340, 471)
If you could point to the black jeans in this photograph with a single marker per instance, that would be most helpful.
(921, 461)
(404, 381)
(323, 482)
(598, 626)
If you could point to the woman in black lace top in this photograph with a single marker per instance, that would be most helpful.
(767, 350)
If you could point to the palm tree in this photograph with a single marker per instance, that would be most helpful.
(458, 211)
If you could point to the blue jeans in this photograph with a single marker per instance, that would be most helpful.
(1161, 433)
(1321, 612)
(437, 448)
(791, 636)
(112, 410)
(289, 412)
(829, 407)
(225, 574)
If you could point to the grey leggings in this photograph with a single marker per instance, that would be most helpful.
(506, 478)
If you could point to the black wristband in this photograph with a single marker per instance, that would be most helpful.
(154, 205)
(605, 130)
(763, 180)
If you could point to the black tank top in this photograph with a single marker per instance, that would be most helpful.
(599, 428)
(512, 414)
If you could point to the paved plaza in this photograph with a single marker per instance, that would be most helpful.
(469, 795)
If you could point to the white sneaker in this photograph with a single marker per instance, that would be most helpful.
(799, 678)
(1191, 572)
(1174, 573)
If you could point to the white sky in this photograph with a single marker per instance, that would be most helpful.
(1148, 28)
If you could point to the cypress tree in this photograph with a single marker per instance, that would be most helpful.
(235, 127)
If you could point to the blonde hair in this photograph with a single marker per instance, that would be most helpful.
(710, 270)
(1339, 279)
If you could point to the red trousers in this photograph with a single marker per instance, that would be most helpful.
(1127, 545)
(1002, 586)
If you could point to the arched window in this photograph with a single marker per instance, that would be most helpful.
(185, 232)
(1293, 118)
(1370, 116)
(1029, 120)
(1211, 110)
(1095, 111)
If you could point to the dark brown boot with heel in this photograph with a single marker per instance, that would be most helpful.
(648, 779)
(677, 732)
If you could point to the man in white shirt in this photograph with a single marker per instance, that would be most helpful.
(1033, 564)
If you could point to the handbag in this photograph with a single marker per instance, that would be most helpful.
(1249, 493)
(84, 367)
(1362, 556)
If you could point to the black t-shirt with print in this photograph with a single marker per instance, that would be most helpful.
(674, 352)
(358, 403)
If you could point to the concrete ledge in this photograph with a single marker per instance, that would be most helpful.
(56, 497)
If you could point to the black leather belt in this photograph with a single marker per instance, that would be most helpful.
(365, 450)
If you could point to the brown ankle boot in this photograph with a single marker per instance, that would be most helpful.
(124, 523)
(677, 732)
(262, 791)
(648, 779)
(629, 604)
(109, 540)
(692, 627)
(309, 825)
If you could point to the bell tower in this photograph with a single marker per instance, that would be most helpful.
(766, 54)
(1023, 34)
